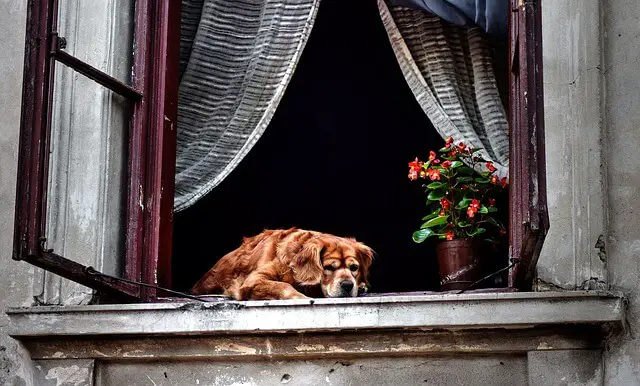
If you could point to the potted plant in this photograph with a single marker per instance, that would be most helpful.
(461, 197)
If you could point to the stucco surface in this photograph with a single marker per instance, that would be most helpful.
(593, 118)
(622, 71)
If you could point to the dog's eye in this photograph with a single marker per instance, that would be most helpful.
(329, 268)
(353, 267)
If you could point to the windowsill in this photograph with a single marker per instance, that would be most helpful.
(430, 312)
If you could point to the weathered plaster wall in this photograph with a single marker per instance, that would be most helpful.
(574, 129)
(622, 110)
(592, 82)
(15, 279)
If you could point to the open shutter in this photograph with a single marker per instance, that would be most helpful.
(529, 220)
(151, 146)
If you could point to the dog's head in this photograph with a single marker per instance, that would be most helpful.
(339, 265)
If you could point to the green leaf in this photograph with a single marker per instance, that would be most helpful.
(483, 180)
(436, 195)
(492, 209)
(440, 220)
(476, 232)
(493, 221)
(463, 224)
(464, 203)
(432, 215)
(444, 149)
(435, 185)
(456, 164)
(465, 179)
(483, 210)
(466, 170)
(421, 235)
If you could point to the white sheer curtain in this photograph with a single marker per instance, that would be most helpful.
(449, 70)
(237, 57)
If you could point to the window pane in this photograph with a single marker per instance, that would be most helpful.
(87, 178)
(100, 33)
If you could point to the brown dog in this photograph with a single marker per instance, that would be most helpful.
(278, 264)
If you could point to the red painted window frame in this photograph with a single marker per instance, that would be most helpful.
(528, 215)
(151, 148)
(152, 142)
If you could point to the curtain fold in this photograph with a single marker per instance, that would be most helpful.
(490, 15)
(236, 59)
(449, 70)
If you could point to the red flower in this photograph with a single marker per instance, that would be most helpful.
(462, 146)
(464, 187)
(432, 155)
(449, 235)
(473, 208)
(413, 175)
(415, 165)
(446, 164)
(441, 214)
(494, 180)
(434, 174)
(492, 202)
(449, 141)
(453, 153)
(502, 232)
(423, 174)
(445, 203)
(436, 161)
(491, 167)
(504, 182)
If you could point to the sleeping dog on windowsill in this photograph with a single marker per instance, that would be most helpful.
(284, 264)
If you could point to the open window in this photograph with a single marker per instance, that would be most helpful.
(142, 220)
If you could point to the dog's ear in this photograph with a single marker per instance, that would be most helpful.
(307, 263)
(364, 255)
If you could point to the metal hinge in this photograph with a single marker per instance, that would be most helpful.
(57, 43)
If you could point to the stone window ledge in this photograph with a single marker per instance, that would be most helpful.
(432, 312)
(479, 338)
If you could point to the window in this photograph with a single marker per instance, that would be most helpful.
(151, 99)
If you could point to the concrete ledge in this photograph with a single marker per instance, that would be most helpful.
(434, 312)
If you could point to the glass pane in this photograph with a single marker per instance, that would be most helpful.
(86, 203)
(100, 33)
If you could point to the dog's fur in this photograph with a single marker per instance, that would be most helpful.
(281, 264)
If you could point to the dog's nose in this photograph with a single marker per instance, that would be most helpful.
(346, 285)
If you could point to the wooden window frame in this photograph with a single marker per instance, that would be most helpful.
(152, 147)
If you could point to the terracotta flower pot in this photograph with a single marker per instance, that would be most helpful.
(460, 263)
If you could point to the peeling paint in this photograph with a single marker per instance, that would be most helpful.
(236, 348)
(72, 375)
(310, 347)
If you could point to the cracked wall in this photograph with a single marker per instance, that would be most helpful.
(593, 133)
(622, 110)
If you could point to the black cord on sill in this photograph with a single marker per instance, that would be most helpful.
(513, 263)
(92, 271)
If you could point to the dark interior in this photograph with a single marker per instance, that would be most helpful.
(334, 159)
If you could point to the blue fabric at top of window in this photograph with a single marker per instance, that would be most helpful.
(490, 15)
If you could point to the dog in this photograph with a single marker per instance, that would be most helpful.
(282, 264)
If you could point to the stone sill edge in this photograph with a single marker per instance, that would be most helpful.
(371, 300)
(442, 312)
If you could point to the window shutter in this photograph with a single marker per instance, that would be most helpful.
(529, 220)
(151, 146)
